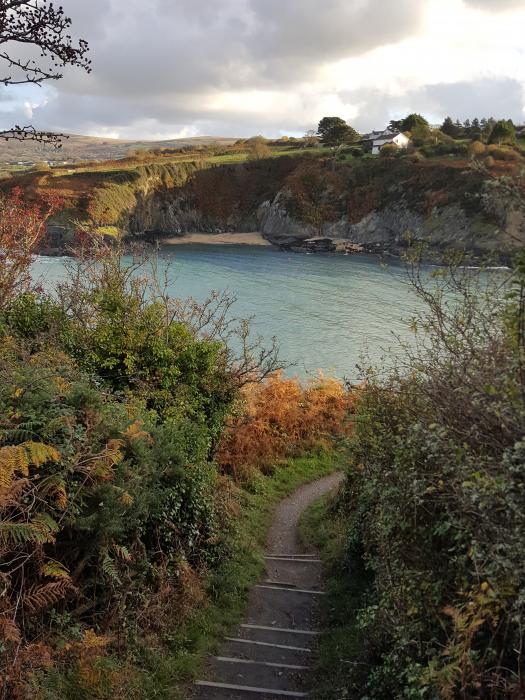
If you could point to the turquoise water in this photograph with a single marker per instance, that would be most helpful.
(326, 310)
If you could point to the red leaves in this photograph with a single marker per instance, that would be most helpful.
(22, 228)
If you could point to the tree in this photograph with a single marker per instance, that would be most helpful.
(259, 150)
(487, 127)
(39, 28)
(503, 131)
(412, 121)
(475, 129)
(395, 124)
(310, 138)
(334, 131)
(449, 128)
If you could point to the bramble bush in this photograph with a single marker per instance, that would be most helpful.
(105, 507)
(112, 510)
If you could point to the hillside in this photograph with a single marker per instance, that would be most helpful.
(75, 147)
(298, 199)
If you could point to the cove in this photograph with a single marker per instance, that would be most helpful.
(327, 311)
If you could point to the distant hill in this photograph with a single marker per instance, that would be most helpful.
(77, 147)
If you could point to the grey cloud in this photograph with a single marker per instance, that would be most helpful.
(165, 46)
(496, 5)
(293, 35)
(157, 62)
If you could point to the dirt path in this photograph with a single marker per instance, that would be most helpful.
(270, 654)
(284, 534)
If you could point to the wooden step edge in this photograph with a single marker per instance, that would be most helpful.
(291, 590)
(268, 628)
(252, 689)
(268, 644)
(297, 561)
(271, 664)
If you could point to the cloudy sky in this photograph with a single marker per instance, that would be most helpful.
(171, 68)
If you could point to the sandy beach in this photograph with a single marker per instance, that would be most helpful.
(254, 238)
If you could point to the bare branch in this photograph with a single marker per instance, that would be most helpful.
(36, 26)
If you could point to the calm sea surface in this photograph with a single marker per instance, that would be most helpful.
(326, 310)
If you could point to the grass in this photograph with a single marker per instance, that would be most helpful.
(166, 674)
(347, 582)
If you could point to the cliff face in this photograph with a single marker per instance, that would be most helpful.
(302, 203)
(391, 229)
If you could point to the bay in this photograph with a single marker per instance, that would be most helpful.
(327, 311)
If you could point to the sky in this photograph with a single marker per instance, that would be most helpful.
(177, 68)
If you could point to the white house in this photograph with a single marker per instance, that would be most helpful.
(378, 139)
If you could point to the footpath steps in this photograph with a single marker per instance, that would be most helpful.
(269, 656)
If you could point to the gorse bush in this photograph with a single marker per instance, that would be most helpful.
(435, 502)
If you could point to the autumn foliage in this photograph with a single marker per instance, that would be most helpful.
(281, 418)
(22, 228)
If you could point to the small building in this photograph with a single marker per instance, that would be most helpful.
(377, 139)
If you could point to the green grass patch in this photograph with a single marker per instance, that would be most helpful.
(338, 672)
(167, 673)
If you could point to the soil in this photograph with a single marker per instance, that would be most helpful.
(284, 535)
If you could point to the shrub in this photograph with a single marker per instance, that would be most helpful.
(282, 418)
(389, 150)
(476, 149)
(503, 153)
(22, 228)
(445, 148)
(112, 400)
(434, 503)
(102, 507)
(259, 149)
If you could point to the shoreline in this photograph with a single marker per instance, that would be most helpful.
(253, 238)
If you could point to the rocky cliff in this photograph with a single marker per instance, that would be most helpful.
(300, 203)
(383, 207)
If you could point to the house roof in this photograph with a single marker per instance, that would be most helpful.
(388, 137)
(376, 134)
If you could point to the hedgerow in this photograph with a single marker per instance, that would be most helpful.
(435, 502)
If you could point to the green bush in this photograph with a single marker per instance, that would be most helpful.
(109, 498)
(434, 504)
(445, 148)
